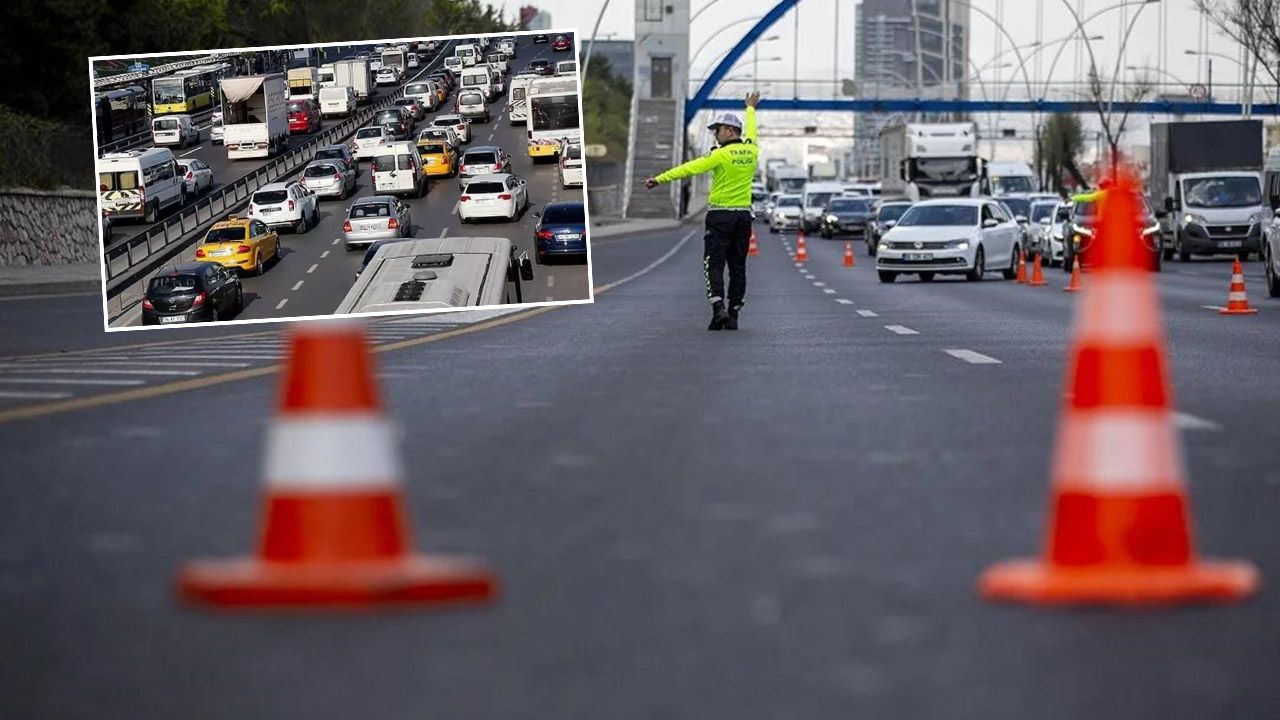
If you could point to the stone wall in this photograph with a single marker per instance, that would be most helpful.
(48, 227)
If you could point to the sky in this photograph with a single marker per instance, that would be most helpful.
(826, 32)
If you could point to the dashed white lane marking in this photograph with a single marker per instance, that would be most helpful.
(281, 303)
(19, 395)
(829, 291)
(335, 242)
(190, 153)
(867, 313)
(312, 268)
(131, 361)
(490, 138)
(110, 371)
(844, 301)
(900, 330)
(442, 232)
(799, 264)
(213, 356)
(551, 281)
(324, 254)
(972, 357)
(1186, 421)
(297, 285)
(1212, 307)
(819, 283)
(68, 381)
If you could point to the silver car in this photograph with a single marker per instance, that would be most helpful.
(483, 160)
(376, 217)
(329, 178)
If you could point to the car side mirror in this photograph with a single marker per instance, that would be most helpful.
(1020, 219)
(1046, 221)
(890, 223)
(538, 214)
(1168, 204)
(990, 223)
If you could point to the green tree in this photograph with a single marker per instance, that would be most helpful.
(607, 109)
(1061, 142)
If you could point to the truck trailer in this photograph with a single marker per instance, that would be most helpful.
(354, 73)
(254, 120)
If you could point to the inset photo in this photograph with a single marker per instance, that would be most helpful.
(366, 177)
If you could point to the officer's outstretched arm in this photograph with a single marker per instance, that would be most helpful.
(749, 131)
(697, 166)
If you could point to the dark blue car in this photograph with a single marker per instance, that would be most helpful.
(561, 232)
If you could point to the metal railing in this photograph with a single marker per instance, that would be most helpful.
(111, 81)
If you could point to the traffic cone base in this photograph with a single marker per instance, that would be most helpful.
(1237, 298)
(249, 583)
(1035, 581)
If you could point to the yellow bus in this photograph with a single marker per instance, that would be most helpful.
(187, 91)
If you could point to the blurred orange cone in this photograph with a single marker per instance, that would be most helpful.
(1037, 276)
(753, 248)
(1237, 297)
(1022, 268)
(1120, 524)
(848, 256)
(1074, 285)
(335, 531)
(802, 253)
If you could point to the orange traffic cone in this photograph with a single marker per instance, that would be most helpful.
(1237, 298)
(335, 532)
(753, 249)
(1120, 523)
(848, 256)
(1022, 267)
(802, 253)
(1037, 276)
(1074, 285)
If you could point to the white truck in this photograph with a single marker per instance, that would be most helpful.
(254, 121)
(789, 179)
(355, 74)
(326, 76)
(1205, 182)
(395, 58)
(1009, 177)
(927, 160)
(304, 83)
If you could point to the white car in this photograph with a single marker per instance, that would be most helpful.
(386, 76)
(456, 122)
(572, 173)
(177, 130)
(955, 236)
(285, 204)
(367, 141)
(493, 196)
(786, 213)
(196, 176)
(454, 64)
(413, 60)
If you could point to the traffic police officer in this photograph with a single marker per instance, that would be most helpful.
(728, 235)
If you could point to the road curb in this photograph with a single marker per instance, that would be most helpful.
(50, 287)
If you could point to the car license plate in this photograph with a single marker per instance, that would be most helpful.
(220, 253)
(917, 256)
(171, 319)
(483, 201)
(373, 226)
(568, 236)
(270, 210)
(1231, 243)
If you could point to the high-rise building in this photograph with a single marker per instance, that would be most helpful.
(906, 48)
(531, 18)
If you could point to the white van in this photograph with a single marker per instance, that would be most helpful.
(469, 54)
(478, 78)
(174, 130)
(453, 64)
(424, 91)
(337, 100)
(215, 128)
(572, 172)
(139, 183)
(518, 100)
(397, 170)
(439, 274)
(499, 61)
(567, 67)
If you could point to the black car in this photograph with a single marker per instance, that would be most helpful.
(885, 217)
(393, 119)
(541, 67)
(192, 292)
(561, 232)
(845, 216)
(1078, 240)
(541, 38)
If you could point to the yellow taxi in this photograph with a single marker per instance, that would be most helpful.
(242, 243)
(438, 158)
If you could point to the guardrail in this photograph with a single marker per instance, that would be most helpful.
(133, 259)
(128, 78)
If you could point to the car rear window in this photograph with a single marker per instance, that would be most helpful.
(166, 124)
(479, 158)
(417, 89)
(369, 132)
(470, 98)
(297, 107)
(445, 121)
(225, 234)
(266, 197)
(481, 188)
(389, 116)
(171, 284)
(368, 210)
(127, 180)
(330, 154)
(431, 149)
(564, 214)
(320, 170)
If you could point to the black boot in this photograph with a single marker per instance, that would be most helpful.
(732, 324)
(719, 318)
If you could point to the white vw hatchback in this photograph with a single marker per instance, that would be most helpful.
(493, 196)
(955, 236)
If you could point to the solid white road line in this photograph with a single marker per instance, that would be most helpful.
(442, 232)
(297, 285)
(971, 357)
(281, 303)
(18, 395)
(312, 268)
(324, 254)
(1186, 421)
(900, 330)
(111, 371)
(867, 313)
(67, 381)
(190, 153)
(844, 301)
(129, 361)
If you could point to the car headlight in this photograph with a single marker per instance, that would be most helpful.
(1191, 218)
(961, 244)
(883, 246)
(832, 219)
(1151, 230)
(1056, 234)
(1081, 230)
(1262, 218)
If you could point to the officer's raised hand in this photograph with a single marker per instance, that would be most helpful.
(753, 99)
(650, 183)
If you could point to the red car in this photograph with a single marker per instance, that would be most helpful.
(304, 116)
(561, 42)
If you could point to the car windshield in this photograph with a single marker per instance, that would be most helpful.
(848, 205)
(564, 214)
(369, 132)
(757, 196)
(1019, 206)
(1221, 192)
(480, 158)
(320, 170)
(891, 212)
(482, 188)
(368, 210)
(1039, 211)
(171, 284)
(939, 215)
(225, 234)
(266, 197)
(818, 199)
(1011, 184)
(789, 201)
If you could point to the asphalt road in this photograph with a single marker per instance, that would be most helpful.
(785, 521)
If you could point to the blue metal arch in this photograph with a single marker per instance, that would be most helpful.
(1169, 107)
(700, 99)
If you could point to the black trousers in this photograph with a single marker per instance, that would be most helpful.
(726, 241)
